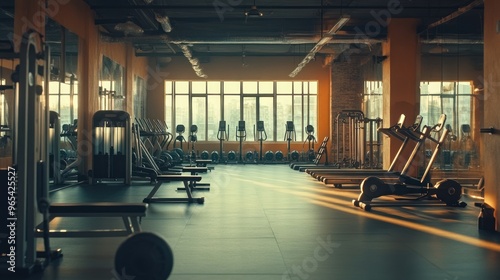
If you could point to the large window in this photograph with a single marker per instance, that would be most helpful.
(372, 101)
(205, 103)
(452, 98)
(63, 99)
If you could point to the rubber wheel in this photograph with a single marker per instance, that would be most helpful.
(372, 187)
(144, 256)
(449, 191)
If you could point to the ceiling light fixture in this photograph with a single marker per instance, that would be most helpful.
(322, 42)
(253, 12)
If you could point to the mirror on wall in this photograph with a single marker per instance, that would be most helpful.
(63, 85)
(111, 85)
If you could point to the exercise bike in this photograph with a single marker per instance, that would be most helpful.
(447, 191)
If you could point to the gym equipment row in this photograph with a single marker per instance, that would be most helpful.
(447, 191)
(30, 219)
(340, 177)
(317, 157)
(260, 136)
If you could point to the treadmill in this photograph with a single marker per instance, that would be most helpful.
(339, 177)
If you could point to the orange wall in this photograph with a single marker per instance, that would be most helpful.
(77, 17)
(258, 68)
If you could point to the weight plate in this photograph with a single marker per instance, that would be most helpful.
(449, 191)
(144, 256)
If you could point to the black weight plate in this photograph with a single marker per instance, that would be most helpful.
(144, 256)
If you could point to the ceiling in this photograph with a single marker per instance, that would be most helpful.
(286, 28)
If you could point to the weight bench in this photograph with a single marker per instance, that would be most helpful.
(204, 163)
(194, 170)
(131, 214)
(187, 180)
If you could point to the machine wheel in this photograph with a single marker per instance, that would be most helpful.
(449, 191)
(231, 155)
(144, 255)
(215, 156)
(204, 154)
(372, 187)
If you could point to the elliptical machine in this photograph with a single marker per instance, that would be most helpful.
(290, 136)
(447, 191)
(222, 135)
(262, 136)
(310, 154)
(241, 135)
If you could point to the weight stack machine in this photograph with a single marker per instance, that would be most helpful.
(112, 149)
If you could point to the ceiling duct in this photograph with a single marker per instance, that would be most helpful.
(195, 63)
(129, 28)
(322, 42)
(164, 22)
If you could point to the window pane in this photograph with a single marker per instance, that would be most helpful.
(266, 87)
(297, 87)
(213, 87)
(181, 110)
(65, 88)
(250, 115)
(313, 87)
(250, 87)
(284, 87)
(75, 107)
(313, 112)
(54, 103)
(168, 87)
(199, 87)
(65, 109)
(283, 115)
(168, 111)
(232, 112)
(213, 117)
(298, 112)
(181, 87)
(266, 114)
(231, 87)
(53, 87)
(199, 112)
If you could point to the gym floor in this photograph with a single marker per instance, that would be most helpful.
(269, 222)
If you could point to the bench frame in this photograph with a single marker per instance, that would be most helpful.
(131, 214)
(187, 180)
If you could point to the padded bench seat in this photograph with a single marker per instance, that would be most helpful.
(131, 213)
(84, 209)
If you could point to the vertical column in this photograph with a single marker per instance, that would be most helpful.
(401, 78)
(491, 98)
(347, 94)
(89, 60)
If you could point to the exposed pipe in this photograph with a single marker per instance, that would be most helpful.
(460, 11)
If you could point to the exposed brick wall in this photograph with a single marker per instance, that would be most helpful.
(347, 94)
